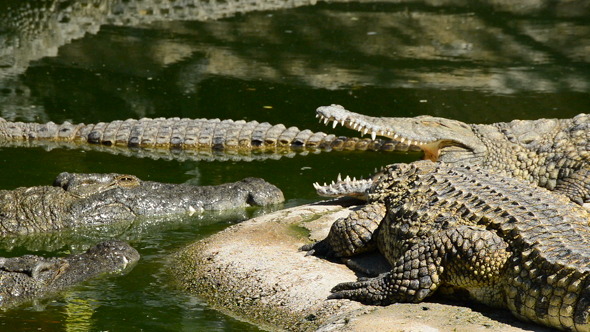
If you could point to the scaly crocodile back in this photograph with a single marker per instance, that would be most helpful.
(546, 277)
(189, 134)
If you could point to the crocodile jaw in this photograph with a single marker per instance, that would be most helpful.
(347, 187)
(430, 134)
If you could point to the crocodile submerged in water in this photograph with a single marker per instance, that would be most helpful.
(187, 138)
(551, 153)
(33, 277)
(100, 199)
(506, 243)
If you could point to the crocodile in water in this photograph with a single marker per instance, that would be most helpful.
(551, 153)
(187, 137)
(100, 199)
(505, 242)
(33, 277)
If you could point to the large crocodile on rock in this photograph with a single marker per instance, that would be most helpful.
(33, 277)
(187, 138)
(551, 153)
(506, 243)
(99, 199)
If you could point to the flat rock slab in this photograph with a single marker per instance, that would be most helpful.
(254, 271)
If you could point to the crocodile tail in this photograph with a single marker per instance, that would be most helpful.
(20, 131)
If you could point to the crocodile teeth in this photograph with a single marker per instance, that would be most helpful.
(365, 130)
(125, 262)
(191, 210)
(334, 124)
(373, 135)
(339, 179)
(326, 120)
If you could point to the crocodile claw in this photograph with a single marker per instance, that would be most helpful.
(363, 291)
(318, 249)
(356, 291)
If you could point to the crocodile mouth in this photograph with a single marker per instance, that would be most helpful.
(431, 148)
(351, 187)
(345, 187)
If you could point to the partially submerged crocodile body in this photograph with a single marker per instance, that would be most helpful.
(186, 138)
(99, 199)
(33, 277)
(551, 153)
(505, 242)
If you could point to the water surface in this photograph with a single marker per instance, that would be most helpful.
(110, 60)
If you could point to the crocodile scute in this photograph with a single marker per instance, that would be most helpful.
(506, 243)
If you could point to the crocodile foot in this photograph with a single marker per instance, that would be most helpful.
(319, 249)
(371, 291)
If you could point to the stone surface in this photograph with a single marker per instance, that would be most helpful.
(255, 272)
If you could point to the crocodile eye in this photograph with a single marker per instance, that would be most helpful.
(127, 181)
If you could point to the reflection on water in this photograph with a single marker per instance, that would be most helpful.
(82, 238)
(78, 313)
(91, 61)
(338, 46)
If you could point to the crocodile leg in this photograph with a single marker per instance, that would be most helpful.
(577, 186)
(352, 235)
(450, 257)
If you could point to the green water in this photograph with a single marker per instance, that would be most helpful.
(474, 64)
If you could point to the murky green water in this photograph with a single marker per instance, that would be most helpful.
(102, 61)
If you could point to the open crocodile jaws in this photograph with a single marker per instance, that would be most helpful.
(505, 242)
(551, 153)
(99, 199)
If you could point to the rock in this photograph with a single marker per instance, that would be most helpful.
(254, 271)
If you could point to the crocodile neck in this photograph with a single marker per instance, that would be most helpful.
(21, 211)
(543, 152)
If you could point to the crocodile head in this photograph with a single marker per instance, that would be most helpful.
(440, 139)
(85, 185)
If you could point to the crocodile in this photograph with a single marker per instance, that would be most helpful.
(182, 138)
(32, 277)
(551, 153)
(466, 228)
(78, 199)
